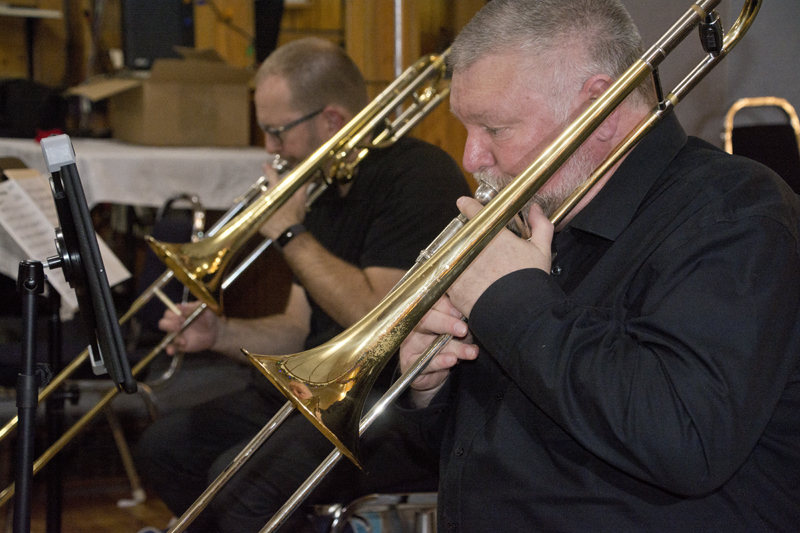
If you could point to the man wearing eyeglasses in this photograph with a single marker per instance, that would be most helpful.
(346, 252)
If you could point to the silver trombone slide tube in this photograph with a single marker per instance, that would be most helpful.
(435, 347)
(484, 193)
(391, 97)
(234, 466)
(278, 164)
(68, 435)
(240, 203)
(397, 388)
(61, 377)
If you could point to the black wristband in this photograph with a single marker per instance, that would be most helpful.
(290, 233)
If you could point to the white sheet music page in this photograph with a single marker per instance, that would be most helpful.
(27, 220)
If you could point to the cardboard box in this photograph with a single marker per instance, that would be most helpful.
(198, 100)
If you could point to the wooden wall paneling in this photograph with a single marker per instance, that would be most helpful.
(13, 58)
(411, 40)
(462, 11)
(434, 35)
(434, 27)
(48, 45)
(369, 40)
(317, 18)
(428, 27)
(109, 24)
(440, 22)
(228, 29)
(76, 41)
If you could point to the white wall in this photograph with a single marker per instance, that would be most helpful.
(765, 63)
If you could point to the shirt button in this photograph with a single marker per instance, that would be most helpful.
(556, 270)
(498, 396)
(459, 451)
(452, 527)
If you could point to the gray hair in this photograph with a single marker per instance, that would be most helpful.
(319, 73)
(576, 39)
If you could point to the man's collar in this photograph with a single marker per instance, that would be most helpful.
(612, 210)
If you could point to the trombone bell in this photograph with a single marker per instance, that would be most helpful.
(200, 273)
(329, 392)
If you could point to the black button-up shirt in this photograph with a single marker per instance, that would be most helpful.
(651, 382)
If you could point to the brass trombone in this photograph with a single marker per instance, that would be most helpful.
(335, 377)
(201, 265)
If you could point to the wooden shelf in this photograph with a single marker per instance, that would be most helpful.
(29, 12)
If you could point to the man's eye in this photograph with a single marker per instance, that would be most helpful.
(497, 133)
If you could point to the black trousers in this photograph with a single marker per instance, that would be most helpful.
(181, 454)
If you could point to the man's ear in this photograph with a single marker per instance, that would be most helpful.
(591, 91)
(335, 118)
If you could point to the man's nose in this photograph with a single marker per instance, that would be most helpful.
(272, 145)
(476, 156)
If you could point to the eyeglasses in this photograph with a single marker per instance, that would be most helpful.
(276, 131)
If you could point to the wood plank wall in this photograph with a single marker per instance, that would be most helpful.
(364, 27)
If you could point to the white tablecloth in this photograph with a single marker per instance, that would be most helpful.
(121, 173)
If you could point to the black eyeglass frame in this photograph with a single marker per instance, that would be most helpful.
(276, 131)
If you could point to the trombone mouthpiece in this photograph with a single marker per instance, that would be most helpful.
(485, 192)
(279, 164)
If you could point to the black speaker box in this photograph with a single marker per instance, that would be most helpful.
(267, 14)
(152, 28)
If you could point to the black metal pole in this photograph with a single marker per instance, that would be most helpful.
(54, 414)
(30, 283)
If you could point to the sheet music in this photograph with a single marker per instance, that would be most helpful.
(27, 220)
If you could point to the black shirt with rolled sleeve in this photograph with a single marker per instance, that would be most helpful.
(651, 382)
(400, 199)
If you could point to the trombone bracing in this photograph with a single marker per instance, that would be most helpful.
(328, 384)
(201, 265)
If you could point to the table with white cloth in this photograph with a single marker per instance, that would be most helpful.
(130, 182)
(115, 172)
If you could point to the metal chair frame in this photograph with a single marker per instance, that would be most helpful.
(763, 101)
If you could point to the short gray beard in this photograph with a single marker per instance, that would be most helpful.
(571, 174)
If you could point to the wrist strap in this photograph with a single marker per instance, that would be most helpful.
(290, 233)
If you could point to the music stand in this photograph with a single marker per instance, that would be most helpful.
(79, 257)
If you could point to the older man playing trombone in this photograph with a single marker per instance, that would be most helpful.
(637, 368)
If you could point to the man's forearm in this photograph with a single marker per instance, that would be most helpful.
(341, 289)
(274, 335)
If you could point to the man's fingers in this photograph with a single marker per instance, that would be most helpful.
(270, 174)
(169, 323)
(436, 322)
(444, 305)
(468, 206)
(541, 228)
